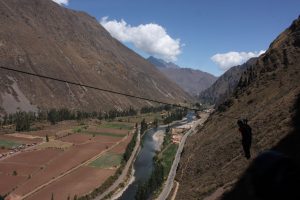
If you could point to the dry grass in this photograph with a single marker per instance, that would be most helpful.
(55, 144)
(214, 157)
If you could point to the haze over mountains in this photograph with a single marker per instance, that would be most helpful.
(191, 80)
(268, 96)
(42, 37)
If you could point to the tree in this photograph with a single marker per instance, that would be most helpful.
(47, 138)
(155, 123)
(22, 120)
(144, 126)
(53, 116)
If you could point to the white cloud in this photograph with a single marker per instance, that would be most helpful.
(230, 59)
(150, 38)
(60, 2)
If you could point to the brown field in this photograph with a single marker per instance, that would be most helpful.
(77, 138)
(108, 130)
(21, 169)
(38, 166)
(81, 182)
(67, 160)
(8, 183)
(38, 157)
(122, 146)
(19, 139)
(80, 138)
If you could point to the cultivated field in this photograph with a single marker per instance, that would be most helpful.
(76, 159)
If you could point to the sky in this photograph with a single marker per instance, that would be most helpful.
(209, 35)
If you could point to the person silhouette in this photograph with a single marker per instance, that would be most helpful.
(246, 133)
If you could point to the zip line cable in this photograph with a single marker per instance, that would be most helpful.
(95, 88)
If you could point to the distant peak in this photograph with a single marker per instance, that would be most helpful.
(160, 63)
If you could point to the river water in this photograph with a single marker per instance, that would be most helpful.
(143, 164)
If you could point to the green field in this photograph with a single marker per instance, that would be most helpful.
(79, 129)
(116, 126)
(8, 144)
(103, 134)
(108, 160)
(167, 157)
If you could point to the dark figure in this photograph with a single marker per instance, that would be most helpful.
(246, 133)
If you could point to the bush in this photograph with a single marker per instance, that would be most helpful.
(225, 105)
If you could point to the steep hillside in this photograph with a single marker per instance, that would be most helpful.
(267, 94)
(42, 37)
(191, 80)
(224, 86)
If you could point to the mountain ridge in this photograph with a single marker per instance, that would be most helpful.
(267, 94)
(191, 80)
(39, 36)
(225, 85)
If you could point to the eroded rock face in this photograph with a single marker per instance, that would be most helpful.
(267, 95)
(42, 37)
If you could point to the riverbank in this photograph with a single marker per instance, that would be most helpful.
(123, 178)
(144, 164)
(158, 137)
(168, 184)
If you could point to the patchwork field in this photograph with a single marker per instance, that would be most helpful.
(69, 186)
(90, 153)
(107, 161)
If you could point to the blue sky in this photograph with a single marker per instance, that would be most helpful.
(205, 28)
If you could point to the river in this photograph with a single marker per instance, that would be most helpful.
(143, 164)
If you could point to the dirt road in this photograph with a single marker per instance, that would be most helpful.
(72, 170)
(125, 171)
(168, 185)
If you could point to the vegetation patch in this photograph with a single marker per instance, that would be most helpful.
(116, 126)
(8, 144)
(79, 129)
(107, 161)
(167, 158)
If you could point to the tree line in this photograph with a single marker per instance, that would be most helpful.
(146, 189)
(23, 120)
(130, 147)
(154, 182)
(174, 115)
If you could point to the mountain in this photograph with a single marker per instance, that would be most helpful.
(224, 86)
(268, 95)
(160, 63)
(39, 36)
(191, 80)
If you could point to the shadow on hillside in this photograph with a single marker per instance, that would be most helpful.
(274, 174)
